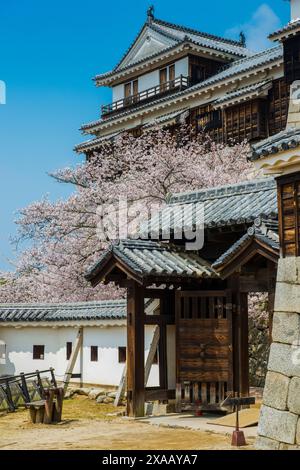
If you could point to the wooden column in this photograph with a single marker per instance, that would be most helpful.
(240, 337)
(135, 351)
(244, 345)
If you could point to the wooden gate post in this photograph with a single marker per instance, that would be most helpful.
(135, 351)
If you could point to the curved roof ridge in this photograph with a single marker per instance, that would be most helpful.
(225, 190)
(200, 33)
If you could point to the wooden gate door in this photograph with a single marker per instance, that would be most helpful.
(203, 349)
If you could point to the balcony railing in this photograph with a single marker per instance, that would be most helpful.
(179, 83)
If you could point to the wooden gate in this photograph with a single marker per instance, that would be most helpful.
(203, 349)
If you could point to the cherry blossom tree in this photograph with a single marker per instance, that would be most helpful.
(63, 235)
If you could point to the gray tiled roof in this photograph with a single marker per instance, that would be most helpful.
(151, 259)
(205, 39)
(227, 205)
(285, 140)
(244, 91)
(287, 29)
(93, 144)
(178, 34)
(238, 67)
(98, 310)
(269, 236)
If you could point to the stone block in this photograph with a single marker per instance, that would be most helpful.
(284, 359)
(264, 443)
(289, 270)
(288, 447)
(298, 433)
(276, 391)
(95, 393)
(293, 402)
(287, 298)
(277, 425)
(286, 327)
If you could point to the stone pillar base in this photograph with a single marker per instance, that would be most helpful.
(279, 424)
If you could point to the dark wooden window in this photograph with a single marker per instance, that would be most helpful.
(68, 350)
(131, 89)
(201, 68)
(289, 214)
(278, 106)
(205, 119)
(127, 90)
(246, 121)
(38, 352)
(172, 72)
(292, 59)
(163, 78)
(94, 353)
(135, 87)
(122, 354)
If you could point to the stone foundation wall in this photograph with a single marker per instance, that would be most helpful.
(279, 425)
(259, 348)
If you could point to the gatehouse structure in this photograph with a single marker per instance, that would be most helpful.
(203, 314)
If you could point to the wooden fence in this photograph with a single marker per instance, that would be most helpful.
(17, 390)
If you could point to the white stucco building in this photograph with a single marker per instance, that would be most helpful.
(40, 336)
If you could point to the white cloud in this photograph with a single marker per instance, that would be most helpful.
(263, 22)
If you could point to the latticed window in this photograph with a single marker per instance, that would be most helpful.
(246, 121)
(278, 106)
(292, 59)
(289, 214)
(206, 119)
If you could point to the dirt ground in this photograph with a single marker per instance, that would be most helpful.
(86, 425)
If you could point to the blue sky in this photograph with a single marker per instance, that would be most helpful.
(49, 51)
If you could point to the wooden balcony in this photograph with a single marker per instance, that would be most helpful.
(178, 84)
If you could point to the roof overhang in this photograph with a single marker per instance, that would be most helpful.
(148, 263)
(239, 96)
(280, 163)
(290, 30)
(244, 252)
(115, 77)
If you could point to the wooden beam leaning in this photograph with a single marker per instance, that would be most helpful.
(151, 354)
(73, 358)
(135, 351)
(121, 388)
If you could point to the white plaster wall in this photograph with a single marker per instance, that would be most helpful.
(151, 79)
(19, 346)
(106, 371)
(118, 92)
(182, 67)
